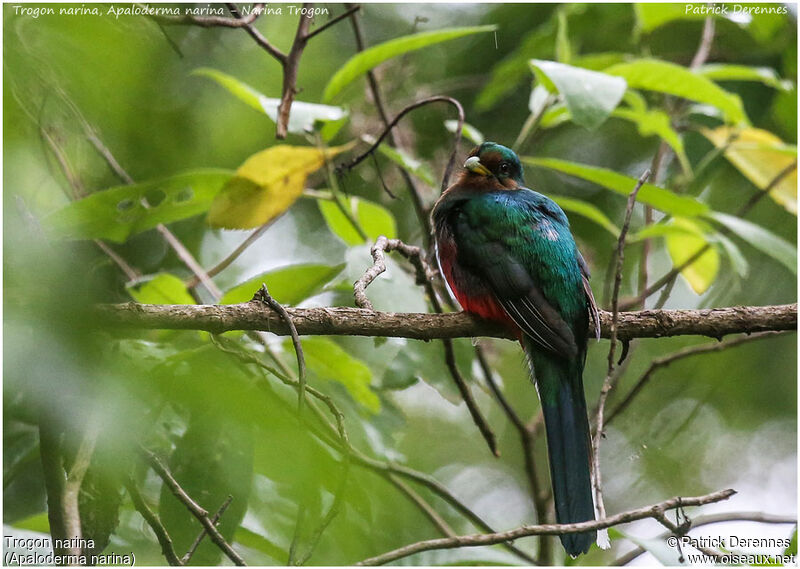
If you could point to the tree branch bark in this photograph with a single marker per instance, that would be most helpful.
(344, 321)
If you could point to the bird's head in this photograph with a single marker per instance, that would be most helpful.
(497, 163)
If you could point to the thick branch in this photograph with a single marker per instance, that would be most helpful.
(476, 540)
(343, 321)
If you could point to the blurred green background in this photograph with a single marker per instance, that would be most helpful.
(714, 421)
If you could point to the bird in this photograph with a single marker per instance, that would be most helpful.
(508, 255)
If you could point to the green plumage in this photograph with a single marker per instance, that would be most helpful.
(508, 255)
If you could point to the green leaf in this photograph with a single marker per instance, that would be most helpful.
(656, 122)
(117, 213)
(737, 260)
(256, 541)
(374, 219)
(369, 58)
(289, 285)
(327, 360)
(760, 238)
(731, 72)
(760, 156)
(164, 288)
(682, 245)
(792, 548)
(563, 48)
(590, 96)
(672, 79)
(587, 210)
(266, 185)
(302, 117)
(408, 163)
(659, 198)
(650, 16)
(37, 522)
(467, 130)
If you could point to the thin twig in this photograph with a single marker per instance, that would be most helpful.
(207, 21)
(382, 246)
(333, 21)
(664, 361)
(377, 98)
(215, 520)
(476, 540)
(290, 68)
(415, 255)
(706, 40)
(194, 508)
(709, 519)
(258, 37)
(152, 519)
(334, 510)
(225, 263)
(596, 478)
(387, 130)
(675, 271)
(264, 296)
(438, 521)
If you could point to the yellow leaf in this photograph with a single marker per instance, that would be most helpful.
(684, 244)
(266, 185)
(760, 156)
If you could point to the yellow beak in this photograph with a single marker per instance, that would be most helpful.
(473, 164)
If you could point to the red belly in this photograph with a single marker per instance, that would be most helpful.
(484, 305)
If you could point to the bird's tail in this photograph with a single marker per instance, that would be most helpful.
(560, 386)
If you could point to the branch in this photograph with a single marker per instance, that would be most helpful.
(476, 540)
(664, 361)
(215, 520)
(345, 321)
(154, 522)
(208, 21)
(597, 483)
(714, 519)
(193, 507)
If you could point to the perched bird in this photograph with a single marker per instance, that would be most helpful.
(508, 255)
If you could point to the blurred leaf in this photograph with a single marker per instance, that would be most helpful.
(373, 56)
(260, 543)
(37, 522)
(374, 219)
(792, 549)
(587, 210)
(650, 16)
(682, 245)
(117, 213)
(289, 285)
(760, 238)
(659, 198)
(731, 72)
(590, 96)
(555, 115)
(656, 122)
(665, 77)
(164, 288)
(327, 360)
(302, 117)
(467, 130)
(408, 163)
(100, 497)
(563, 48)
(760, 156)
(266, 185)
(599, 61)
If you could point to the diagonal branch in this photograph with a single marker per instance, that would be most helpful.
(475, 540)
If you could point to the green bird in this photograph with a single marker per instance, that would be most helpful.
(508, 255)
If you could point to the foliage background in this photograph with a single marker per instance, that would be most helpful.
(721, 420)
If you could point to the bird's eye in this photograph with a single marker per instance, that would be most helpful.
(504, 168)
